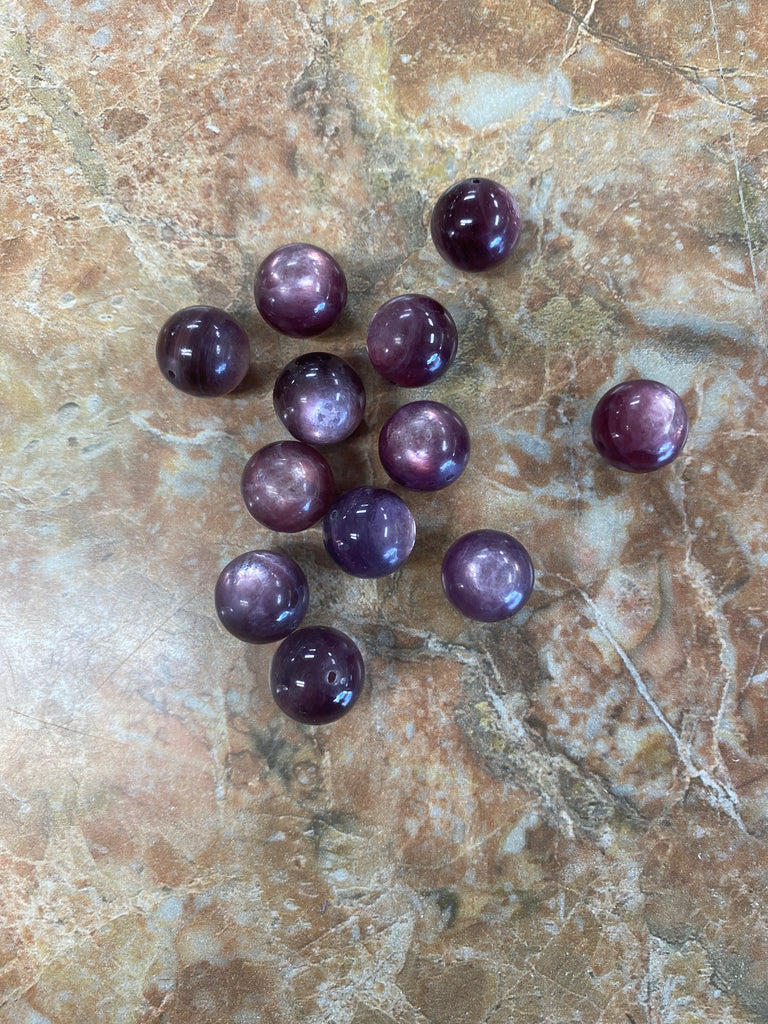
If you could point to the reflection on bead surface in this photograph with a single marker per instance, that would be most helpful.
(287, 486)
(300, 290)
(316, 675)
(639, 426)
(412, 340)
(369, 532)
(475, 224)
(424, 446)
(319, 398)
(487, 575)
(202, 351)
(261, 596)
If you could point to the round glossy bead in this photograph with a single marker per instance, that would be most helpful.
(412, 340)
(287, 486)
(300, 290)
(202, 351)
(475, 224)
(261, 596)
(639, 425)
(319, 398)
(487, 575)
(424, 446)
(316, 675)
(369, 532)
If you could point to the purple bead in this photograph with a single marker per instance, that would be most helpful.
(424, 446)
(202, 351)
(475, 224)
(316, 675)
(261, 596)
(412, 340)
(487, 575)
(369, 532)
(639, 426)
(319, 398)
(300, 290)
(287, 486)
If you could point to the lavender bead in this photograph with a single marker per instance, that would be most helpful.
(319, 398)
(300, 290)
(316, 675)
(424, 446)
(202, 351)
(369, 532)
(639, 426)
(487, 575)
(475, 224)
(412, 340)
(261, 596)
(287, 486)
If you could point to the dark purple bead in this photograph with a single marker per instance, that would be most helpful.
(475, 224)
(316, 675)
(319, 398)
(424, 446)
(202, 351)
(300, 290)
(287, 486)
(261, 596)
(369, 532)
(412, 340)
(487, 575)
(639, 426)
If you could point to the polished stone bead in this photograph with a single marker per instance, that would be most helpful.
(475, 224)
(424, 446)
(202, 351)
(261, 596)
(369, 532)
(319, 398)
(412, 340)
(639, 426)
(316, 675)
(487, 575)
(300, 290)
(287, 486)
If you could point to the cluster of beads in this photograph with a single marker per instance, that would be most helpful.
(300, 290)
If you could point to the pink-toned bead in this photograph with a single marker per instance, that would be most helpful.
(639, 426)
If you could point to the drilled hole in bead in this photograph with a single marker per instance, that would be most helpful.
(331, 677)
(172, 375)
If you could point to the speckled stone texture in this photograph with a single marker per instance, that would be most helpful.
(557, 818)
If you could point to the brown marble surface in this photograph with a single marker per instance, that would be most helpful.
(560, 818)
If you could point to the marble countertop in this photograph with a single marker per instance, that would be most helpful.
(557, 818)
